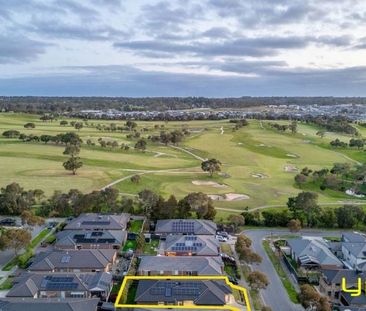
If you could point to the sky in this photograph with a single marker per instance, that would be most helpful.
(213, 48)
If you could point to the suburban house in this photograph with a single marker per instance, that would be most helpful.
(167, 265)
(93, 260)
(71, 239)
(311, 252)
(98, 222)
(191, 245)
(354, 250)
(185, 226)
(209, 293)
(331, 280)
(17, 304)
(35, 285)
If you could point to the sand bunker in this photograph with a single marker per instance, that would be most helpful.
(290, 168)
(291, 155)
(229, 197)
(208, 183)
(259, 175)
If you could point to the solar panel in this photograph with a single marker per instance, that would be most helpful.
(95, 223)
(65, 259)
(168, 292)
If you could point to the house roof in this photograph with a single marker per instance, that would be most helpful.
(202, 265)
(334, 276)
(93, 221)
(72, 238)
(356, 249)
(353, 237)
(186, 226)
(202, 245)
(16, 304)
(200, 292)
(314, 250)
(355, 300)
(28, 284)
(73, 259)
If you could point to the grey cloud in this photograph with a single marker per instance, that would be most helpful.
(129, 81)
(19, 49)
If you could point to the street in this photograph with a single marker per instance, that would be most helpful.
(275, 294)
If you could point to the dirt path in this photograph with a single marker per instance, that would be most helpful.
(189, 152)
(283, 205)
(143, 172)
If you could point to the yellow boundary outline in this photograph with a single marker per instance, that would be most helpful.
(225, 278)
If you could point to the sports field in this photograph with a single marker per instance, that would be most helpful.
(259, 163)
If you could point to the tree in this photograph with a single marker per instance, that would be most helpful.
(29, 125)
(64, 123)
(72, 150)
(14, 199)
(169, 208)
(15, 239)
(321, 133)
(311, 299)
(300, 179)
(148, 200)
(136, 179)
(293, 127)
(30, 219)
(141, 145)
(11, 134)
(349, 216)
(257, 280)
(341, 168)
(305, 205)
(131, 125)
(211, 166)
(236, 220)
(202, 204)
(294, 225)
(243, 240)
(327, 218)
(73, 164)
(78, 125)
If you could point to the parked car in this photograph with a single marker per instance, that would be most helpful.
(221, 238)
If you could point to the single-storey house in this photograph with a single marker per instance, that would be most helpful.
(71, 239)
(61, 285)
(311, 252)
(185, 226)
(98, 222)
(182, 265)
(209, 293)
(19, 304)
(191, 245)
(89, 260)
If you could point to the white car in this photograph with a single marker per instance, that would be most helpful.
(221, 238)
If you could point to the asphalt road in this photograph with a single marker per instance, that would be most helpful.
(275, 294)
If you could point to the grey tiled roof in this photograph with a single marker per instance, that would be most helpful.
(28, 284)
(72, 238)
(72, 259)
(356, 249)
(202, 245)
(200, 292)
(186, 226)
(334, 276)
(17, 304)
(201, 265)
(315, 249)
(93, 221)
(353, 237)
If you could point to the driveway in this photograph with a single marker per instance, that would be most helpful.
(275, 295)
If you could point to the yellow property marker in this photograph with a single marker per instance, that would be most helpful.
(187, 278)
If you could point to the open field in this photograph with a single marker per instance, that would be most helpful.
(259, 162)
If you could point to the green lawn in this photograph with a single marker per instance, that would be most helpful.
(136, 226)
(130, 244)
(149, 248)
(252, 150)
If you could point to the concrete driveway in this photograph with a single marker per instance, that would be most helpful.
(275, 295)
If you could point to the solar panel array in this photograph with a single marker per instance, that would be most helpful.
(169, 289)
(95, 223)
(91, 238)
(190, 238)
(65, 259)
(59, 283)
(183, 226)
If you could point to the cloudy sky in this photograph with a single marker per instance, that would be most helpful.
(212, 48)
